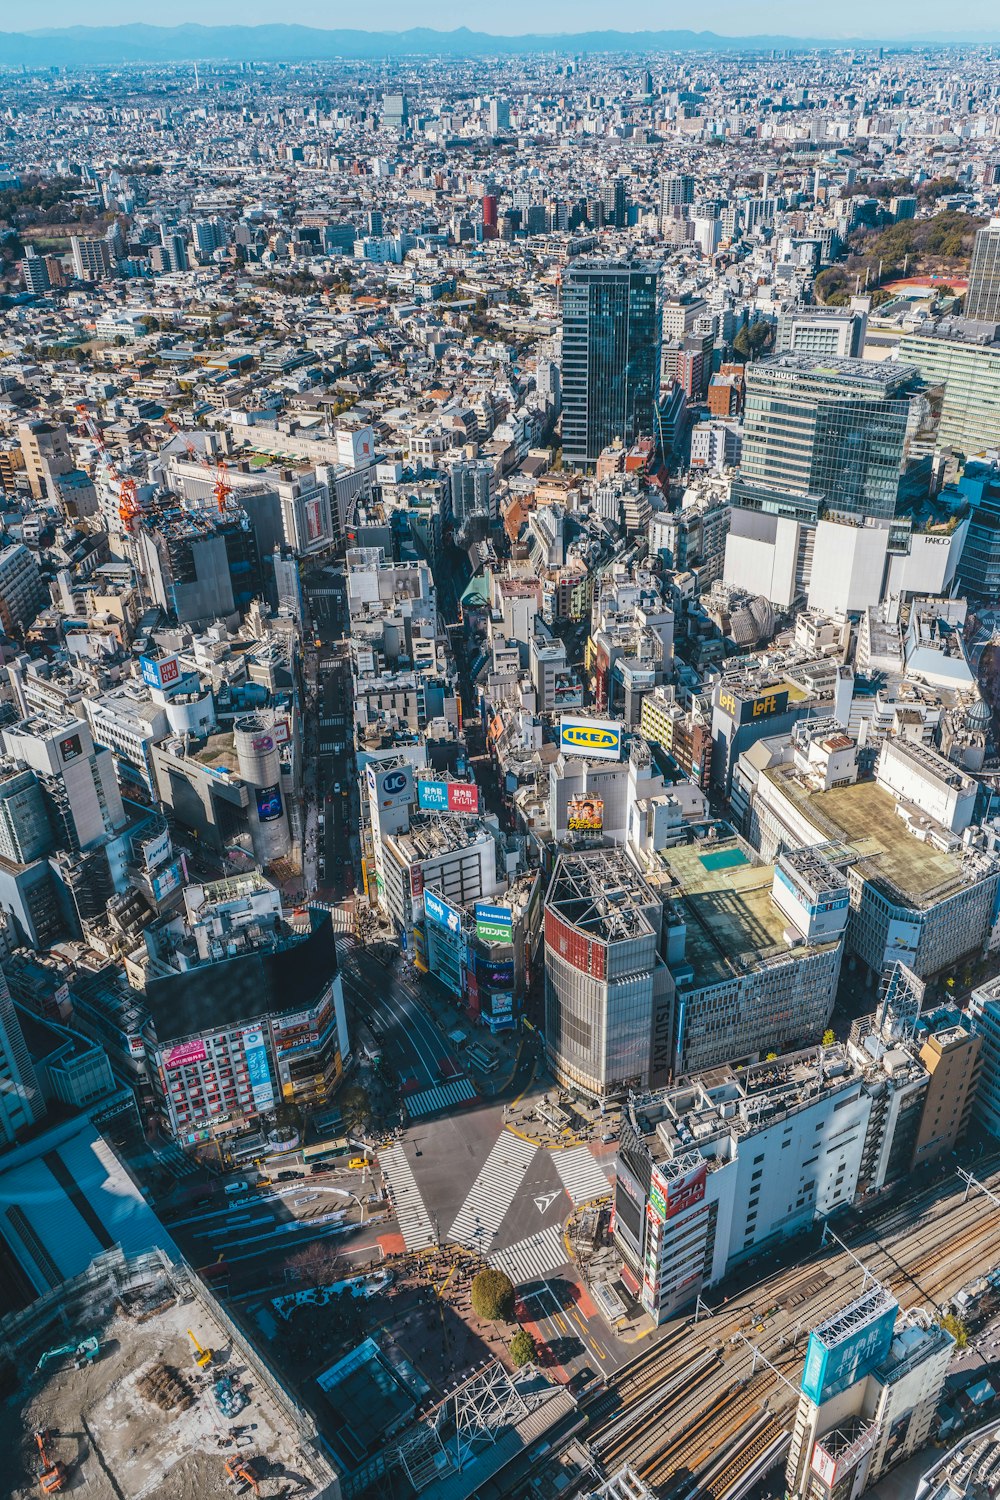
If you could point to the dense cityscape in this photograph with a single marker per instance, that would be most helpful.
(500, 774)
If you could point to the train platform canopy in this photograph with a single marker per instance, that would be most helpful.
(65, 1197)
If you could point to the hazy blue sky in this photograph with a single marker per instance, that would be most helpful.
(884, 18)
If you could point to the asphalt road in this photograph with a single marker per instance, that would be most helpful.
(410, 1041)
(254, 1231)
(337, 848)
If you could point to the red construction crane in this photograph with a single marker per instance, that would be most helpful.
(128, 499)
(222, 488)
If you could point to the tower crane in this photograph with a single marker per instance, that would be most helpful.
(128, 499)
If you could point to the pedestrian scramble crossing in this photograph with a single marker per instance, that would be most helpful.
(532, 1258)
(493, 1192)
(414, 1221)
(581, 1176)
(429, 1101)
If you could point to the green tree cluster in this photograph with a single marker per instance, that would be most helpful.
(492, 1295)
(522, 1348)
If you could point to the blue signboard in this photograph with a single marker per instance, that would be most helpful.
(599, 739)
(440, 913)
(494, 923)
(828, 1371)
(258, 1069)
(159, 674)
(432, 796)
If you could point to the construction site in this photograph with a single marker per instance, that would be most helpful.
(131, 1380)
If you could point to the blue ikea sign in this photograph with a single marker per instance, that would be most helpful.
(598, 739)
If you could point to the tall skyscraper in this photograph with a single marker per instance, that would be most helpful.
(611, 330)
(676, 189)
(176, 249)
(21, 1102)
(395, 112)
(982, 300)
(489, 217)
(35, 270)
(91, 258)
(828, 437)
(499, 116)
(615, 203)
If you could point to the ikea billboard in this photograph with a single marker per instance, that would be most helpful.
(596, 739)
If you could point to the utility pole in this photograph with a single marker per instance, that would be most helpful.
(971, 1182)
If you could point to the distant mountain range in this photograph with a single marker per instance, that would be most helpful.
(110, 46)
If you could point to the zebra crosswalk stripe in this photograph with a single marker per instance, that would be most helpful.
(493, 1192)
(440, 1097)
(533, 1258)
(581, 1176)
(414, 1222)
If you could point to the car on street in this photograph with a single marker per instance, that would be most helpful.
(357, 1162)
(288, 1175)
(237, 1187)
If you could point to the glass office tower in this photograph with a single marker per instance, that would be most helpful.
(829, 437)
(611, 328)
(982, 300)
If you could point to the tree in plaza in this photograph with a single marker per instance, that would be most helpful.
(522, 1348)
(492, 1295)
(316, 1263)
(354, 1107)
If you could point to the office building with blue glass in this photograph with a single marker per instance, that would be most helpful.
(611, 333)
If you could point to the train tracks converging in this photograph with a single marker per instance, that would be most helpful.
(707, 1411)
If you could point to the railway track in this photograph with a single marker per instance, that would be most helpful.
(685, 1414)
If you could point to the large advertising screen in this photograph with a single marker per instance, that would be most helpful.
(585, 814)
(830, 1369)
(70, 748)
(259, 1069)
(440, 913)
(763, 706)
(268, 803)
(596, 739)
(902, 940)
(448, 796)
(166, 880)
(159, 674)
(390, 788)
(185, 1054)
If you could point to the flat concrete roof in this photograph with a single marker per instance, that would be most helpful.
(725, 900)
(864, 816)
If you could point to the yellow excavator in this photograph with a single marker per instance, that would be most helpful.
(202, 1356)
